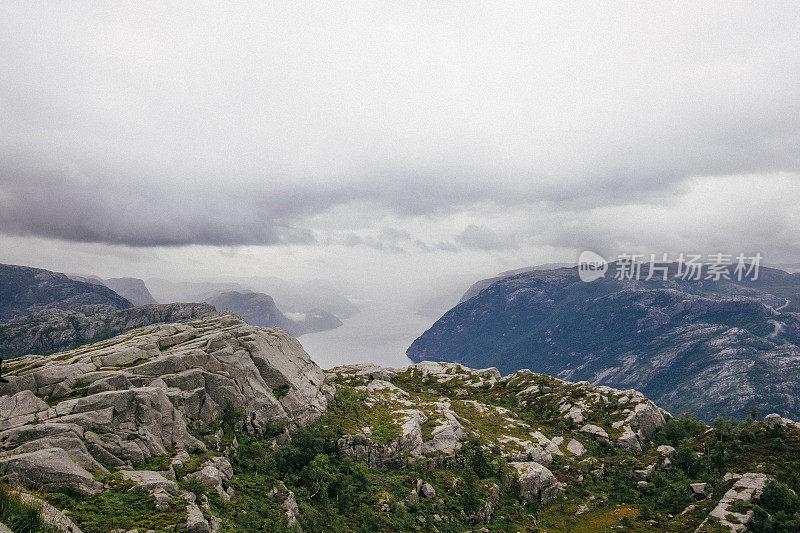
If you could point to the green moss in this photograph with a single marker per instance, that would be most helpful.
(349, 414)
(280, 392)
(740, 507)
(136, 362)
(159, 462)
(427, 428)
(194, 463)
(125, 506)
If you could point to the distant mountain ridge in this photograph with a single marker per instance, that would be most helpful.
(132, 289)
(27, 290)
(260, 309)
(291, 297)
(55, 329)
(710, 348)
(478, 286)
(43, 311)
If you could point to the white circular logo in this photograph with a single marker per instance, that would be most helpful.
(591, 266)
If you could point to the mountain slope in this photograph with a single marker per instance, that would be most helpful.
(216, 425)
(132, 289)
(255, 308)
(710, 348)
(478, 286)
(54, 329)
(26, 290)
(260, 310)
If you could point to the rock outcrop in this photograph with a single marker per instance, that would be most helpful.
(747, 488)
(213, 473)
(54, 329)
(428, 411)
(117, 403)
(48, 469)
(537, 482)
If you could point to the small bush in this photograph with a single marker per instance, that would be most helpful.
(777, 510)
(231, 417)
(20, 518)
(195, 486)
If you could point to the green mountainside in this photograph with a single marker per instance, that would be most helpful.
(707, 347)
(215, 425)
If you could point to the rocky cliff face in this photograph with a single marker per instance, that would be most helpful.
(255, 308)
(710, 348)
(132, 289)
(54, 329)
(116, 404)
(25, 291)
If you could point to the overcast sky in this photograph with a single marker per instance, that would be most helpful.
(400, 147)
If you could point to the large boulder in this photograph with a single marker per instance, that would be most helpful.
(629, 441)
(537, 482)
(448, 433)
(212, 474)
(773, 420)
(648, 418)
(196, 522)
(576, 448)
(151, 481)
(49, 469)
(595, 432)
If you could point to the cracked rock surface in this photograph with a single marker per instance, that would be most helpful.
(115, 404)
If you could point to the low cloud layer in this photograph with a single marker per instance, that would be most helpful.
(503, 126)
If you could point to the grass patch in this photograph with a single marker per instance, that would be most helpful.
(194, 464)
(19, 517)
(158, 462)
(125, 506)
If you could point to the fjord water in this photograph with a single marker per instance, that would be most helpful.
(379, 333)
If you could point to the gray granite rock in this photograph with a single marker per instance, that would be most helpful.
(537, 482)
(126, 399)
(48, 469)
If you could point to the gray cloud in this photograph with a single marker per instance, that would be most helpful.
(482, 238)
(167, 126)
